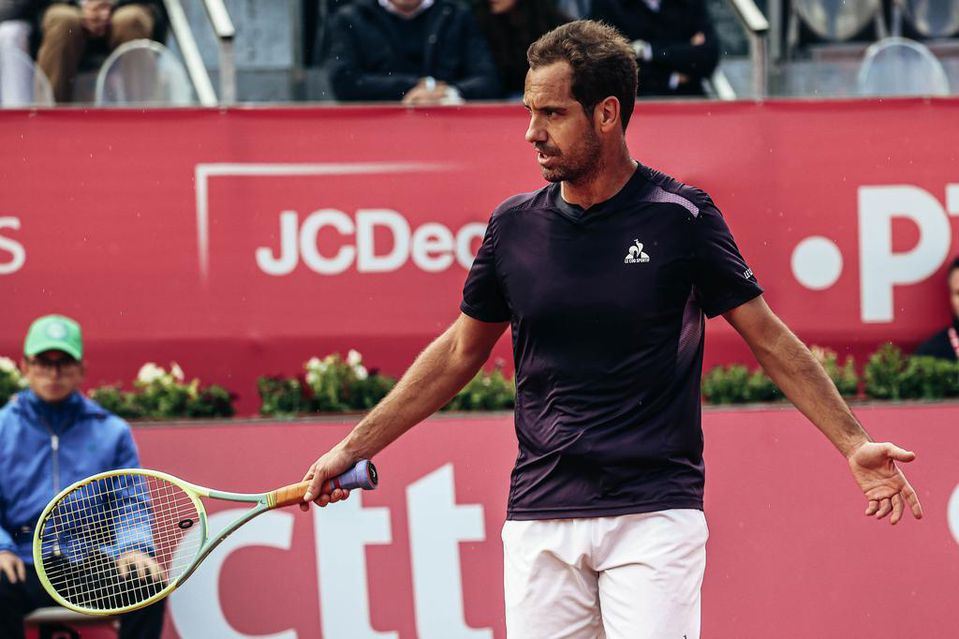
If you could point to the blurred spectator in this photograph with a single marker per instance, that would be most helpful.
(18, 22)
(574, 9)
(71, 30)
(317, 16)
(51, 436)
(674, 40)
(510, 27)
(945, 343)
(419, 51)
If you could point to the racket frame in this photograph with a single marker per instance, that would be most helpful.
(263, 501)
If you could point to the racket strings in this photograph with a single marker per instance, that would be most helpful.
(117, 541)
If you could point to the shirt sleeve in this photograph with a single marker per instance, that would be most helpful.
(349, 76)
(480, 79)
(126, 452)
(698, 60)
(6, 541)
(134, 502)
(483, 297)
(722, 278)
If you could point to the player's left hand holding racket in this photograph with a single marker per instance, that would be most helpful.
(121, 540)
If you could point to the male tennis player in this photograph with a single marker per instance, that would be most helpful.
(604, 277)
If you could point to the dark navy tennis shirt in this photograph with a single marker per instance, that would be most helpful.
(606, 308)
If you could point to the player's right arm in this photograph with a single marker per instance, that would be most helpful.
(440, 371)
(802, 379)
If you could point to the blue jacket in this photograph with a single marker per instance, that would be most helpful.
(43, 449)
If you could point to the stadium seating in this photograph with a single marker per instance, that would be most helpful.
(60, 623)
(143, 73)
(35, 89)
(933, 19)
(899, 66)
(836, 20)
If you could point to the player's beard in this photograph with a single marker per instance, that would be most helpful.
(576, 166)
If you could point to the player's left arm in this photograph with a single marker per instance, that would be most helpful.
(805, 383)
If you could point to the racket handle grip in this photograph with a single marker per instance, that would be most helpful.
(362, 475)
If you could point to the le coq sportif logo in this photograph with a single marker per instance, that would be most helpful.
(635, 254)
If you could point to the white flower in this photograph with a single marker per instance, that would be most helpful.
(360, 372)
(316, 366)
(353, 358)
(311, 378)
(176, 371)
(150, 373)
(7, 365)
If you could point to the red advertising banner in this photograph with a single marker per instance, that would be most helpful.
(241, 242)
(790, 553)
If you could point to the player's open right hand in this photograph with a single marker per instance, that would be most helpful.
(332, 464)
(873, 465)
(12, 566)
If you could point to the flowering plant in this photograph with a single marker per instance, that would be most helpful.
(486, 391)
(336, 384)
(159, 393)
(892, 375)
(736, 384)
(10, 379)
(883, 372)
(844, 376)
(282, 396)
(328, 384)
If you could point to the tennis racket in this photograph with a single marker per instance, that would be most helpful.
(121, 540)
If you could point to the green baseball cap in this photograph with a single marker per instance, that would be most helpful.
(54, 333)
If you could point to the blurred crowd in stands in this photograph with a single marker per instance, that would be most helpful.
(423, 52)
(441, 51)
(414, 51)
(63, 35)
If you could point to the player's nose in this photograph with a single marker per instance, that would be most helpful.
(535, 133)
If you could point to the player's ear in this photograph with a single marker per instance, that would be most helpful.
(606, 114)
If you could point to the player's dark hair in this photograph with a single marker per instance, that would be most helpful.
(603, 63)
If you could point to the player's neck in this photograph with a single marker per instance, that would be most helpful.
(608, 179)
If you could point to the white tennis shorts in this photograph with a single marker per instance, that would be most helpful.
(626, 577)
